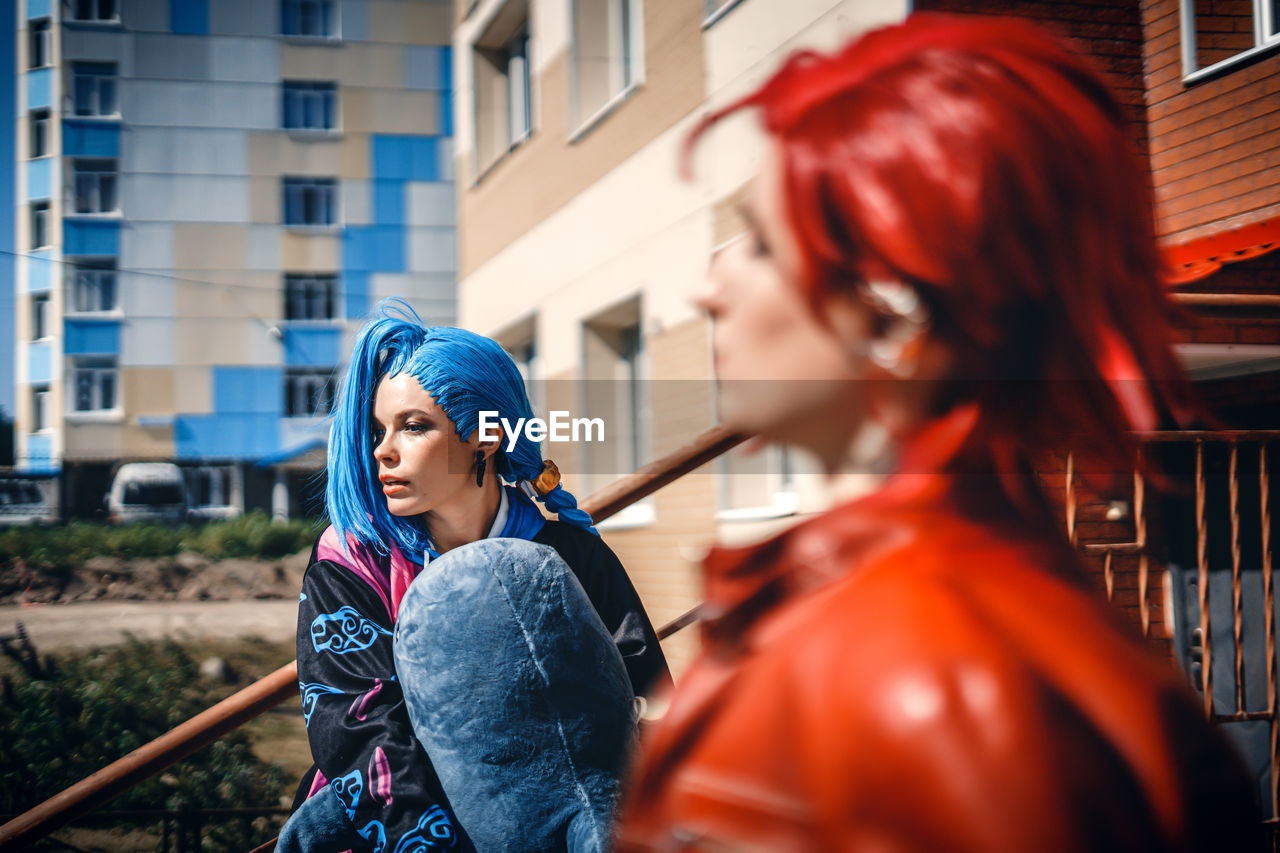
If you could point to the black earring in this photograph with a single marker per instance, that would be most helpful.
(480, 466)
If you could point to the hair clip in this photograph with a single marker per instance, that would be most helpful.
(544, 483)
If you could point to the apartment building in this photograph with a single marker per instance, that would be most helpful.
(210, 195)
(579, 243)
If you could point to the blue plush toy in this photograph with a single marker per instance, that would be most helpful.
(522, 700)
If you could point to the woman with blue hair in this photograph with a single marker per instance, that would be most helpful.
(467, 666)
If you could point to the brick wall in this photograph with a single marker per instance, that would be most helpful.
(1215, 145)
(1240, 325)
(1109, 32)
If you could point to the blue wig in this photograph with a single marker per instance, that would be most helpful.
(465, 373)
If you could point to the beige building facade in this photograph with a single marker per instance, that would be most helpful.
(579, 245)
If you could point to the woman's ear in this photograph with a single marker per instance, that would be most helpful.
(492, 445)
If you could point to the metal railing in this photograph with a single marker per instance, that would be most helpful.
(282, 684)
(261, 696)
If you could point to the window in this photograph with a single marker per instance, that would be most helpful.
(308, 18)
(93, 384)
(39, 53)
(606, 54)
(308, 392)
(210, 485)
(40, 411)
(309, 201)
(1219, 34)
(310, 106)
(39, 224)
(93, 89)
(717, 9)
(503, 114)
(612, 366)
(95, 185)
(521, 342)
(39, 316)
(310, 297)
(95, 10)
(93, 286)
(38, 140)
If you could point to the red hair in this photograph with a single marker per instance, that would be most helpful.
(990, 168)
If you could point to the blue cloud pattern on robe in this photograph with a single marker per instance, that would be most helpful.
(377, 833)
(311, 694)
(435, 830)
(344, 630)
(348, 789)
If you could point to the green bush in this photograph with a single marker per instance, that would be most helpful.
(252, 535)
(65, 721)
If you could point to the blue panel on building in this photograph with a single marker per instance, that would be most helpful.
(40, 178)
(445, 105)
(39, 362)
(225, 436)
(39, 272)
(90, 237)
(305, 346)
(39, 457)
(90, 337)
(258, 390)
(90, 138)
(373, 248)
(356, 287)
(189, 16)
(39, 9)
(39, 88)
(388, 202)
(405, 158)
(446, 69)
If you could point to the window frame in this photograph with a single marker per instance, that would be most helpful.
(505, 40)
(41, 416)
(633, 43)
(333, 30)
(41, 316)
(309, 381)
(39, 32)
(41, 117)
(40, 226)
(103, 175)
(95, 19)
(716, 10)
(302, 184)
(100, 73)
(96, 369)
(85, 270)
(309, 90)
(1266, 38)
(300, 290)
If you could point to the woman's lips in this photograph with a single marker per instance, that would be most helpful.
(391, 486)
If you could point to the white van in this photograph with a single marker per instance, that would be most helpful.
(147, 491)
(23, 502)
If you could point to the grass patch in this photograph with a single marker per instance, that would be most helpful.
(69, 546)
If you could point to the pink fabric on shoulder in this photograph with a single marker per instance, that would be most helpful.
(365, 564)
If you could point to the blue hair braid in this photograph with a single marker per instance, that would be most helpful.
(465, 373)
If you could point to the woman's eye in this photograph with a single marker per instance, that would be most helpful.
(756, 244)
(415, 427)
(377, 435)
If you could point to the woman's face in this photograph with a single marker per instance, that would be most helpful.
(422, 463)
(782, 374)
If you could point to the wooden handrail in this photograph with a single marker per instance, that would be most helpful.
(266, 693)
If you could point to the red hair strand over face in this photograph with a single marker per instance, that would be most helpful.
(989, 167)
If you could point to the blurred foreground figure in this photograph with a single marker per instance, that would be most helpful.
(950, 271)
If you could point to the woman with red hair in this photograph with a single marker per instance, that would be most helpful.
(950, 270)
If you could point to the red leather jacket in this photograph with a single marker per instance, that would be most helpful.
(911, 673)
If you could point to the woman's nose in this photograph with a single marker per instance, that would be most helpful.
(709, 294)
(383, 451)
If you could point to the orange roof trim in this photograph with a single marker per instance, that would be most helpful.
(1197, 259)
